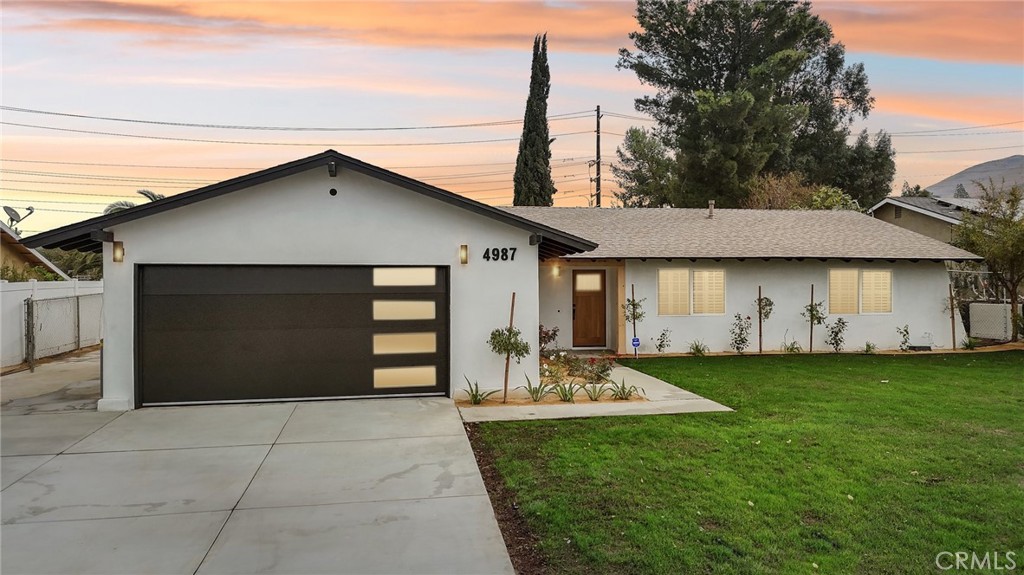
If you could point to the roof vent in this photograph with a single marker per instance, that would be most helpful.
(711, 209)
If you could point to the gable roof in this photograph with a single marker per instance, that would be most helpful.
(82, 236)
(10, 237)
(949, 210)
(771, 234)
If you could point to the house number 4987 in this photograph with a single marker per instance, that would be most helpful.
(500, 254)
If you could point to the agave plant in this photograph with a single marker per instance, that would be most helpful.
(622, 391)
(566, 391)
(537, 392)
(476, 397)
(594, 391)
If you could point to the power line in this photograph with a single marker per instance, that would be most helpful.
(958, 134)
(104, 184)
(251, 143)
(161, 166)
(1018, 146)
(103, 177)
(63, 202)
(957, 129)
(66, 193)
(553, 117)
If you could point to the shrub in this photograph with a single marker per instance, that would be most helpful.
(813, 313)
(552, 371)
(548, 337)
(664, 340)
(596, 369)
(740, 332)
(633, 310)
(904, 337)
(698, 349)
(476, 397)
(537, 392)
(969, 343)
(792, 347)
(869, 348)
(834, 334)
(623, 392)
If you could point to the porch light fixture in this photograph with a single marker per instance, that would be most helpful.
(555, 270)
(464, 254)
(118, 251)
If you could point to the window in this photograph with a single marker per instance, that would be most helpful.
(680, 293)
(708, 292)
(853, 291)
(404, 277)
(842, 291)
(589, 282)
(674, 292)
(876, 291)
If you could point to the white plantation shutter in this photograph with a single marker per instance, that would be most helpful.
(674, 292)
(876, 291)
(842, 291)
(709, 291)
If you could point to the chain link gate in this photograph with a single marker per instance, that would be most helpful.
(59, 325)
(983, 304)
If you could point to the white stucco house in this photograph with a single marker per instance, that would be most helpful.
(328, 277)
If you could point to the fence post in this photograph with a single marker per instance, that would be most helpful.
(78, 321)
(30, 334)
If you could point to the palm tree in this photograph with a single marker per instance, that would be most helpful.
(121, 205)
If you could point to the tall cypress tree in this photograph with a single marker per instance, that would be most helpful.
(533, 184)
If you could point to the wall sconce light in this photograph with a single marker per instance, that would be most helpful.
(464, 254)
(118, 251)
(556, 271)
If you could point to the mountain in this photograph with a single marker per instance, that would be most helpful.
(1011, 169)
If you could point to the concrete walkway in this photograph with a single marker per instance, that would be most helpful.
(67, 384)
(663, 398)
(369, 486)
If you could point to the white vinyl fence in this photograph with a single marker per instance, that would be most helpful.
(63, 316)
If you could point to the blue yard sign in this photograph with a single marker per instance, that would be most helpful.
(636, 342)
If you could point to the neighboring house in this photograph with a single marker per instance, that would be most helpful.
(20, 258)
(329, 277)
(933, 217)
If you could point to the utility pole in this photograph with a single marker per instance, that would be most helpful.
(597, 162)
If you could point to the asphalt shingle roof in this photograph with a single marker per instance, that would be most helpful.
(689, 233)
(949, 207)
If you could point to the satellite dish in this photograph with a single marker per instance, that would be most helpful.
(15, 217)
(13, 214)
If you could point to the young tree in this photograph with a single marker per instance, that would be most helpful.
(532, 180)
(644, 171)
(829, 198)
(996, 233)
(748, 87)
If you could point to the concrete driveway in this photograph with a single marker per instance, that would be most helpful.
(367, 486)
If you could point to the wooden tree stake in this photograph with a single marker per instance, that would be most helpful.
(632, 290)
(508, 356)
(811, 313)
(952, 315)
(760, 335)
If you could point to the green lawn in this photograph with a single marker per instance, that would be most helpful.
(859, 464)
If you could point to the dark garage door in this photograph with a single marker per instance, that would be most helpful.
(213, 333)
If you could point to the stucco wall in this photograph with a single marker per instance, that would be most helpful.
(919, 292)
(916, 222)
(295, 221)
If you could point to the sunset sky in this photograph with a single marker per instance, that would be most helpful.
(932, 66)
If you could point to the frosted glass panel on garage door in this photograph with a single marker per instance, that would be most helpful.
(384, 277)
(403, 310)
(418, 376)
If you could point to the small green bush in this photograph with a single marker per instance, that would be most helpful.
(969, 343)
(869, 348)
(698, 349)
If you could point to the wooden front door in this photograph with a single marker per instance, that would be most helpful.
(588, 308)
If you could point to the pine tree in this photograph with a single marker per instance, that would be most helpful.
(532, 180)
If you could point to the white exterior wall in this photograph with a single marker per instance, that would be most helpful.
(294, 220)
(919, 295)
(12, 311)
